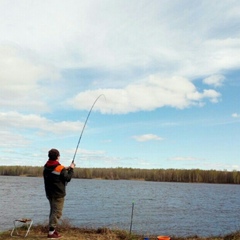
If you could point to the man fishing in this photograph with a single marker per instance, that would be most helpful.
(55, 178)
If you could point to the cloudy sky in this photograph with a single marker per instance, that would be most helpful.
(168, 70)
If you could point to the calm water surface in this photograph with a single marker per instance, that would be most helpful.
(180, 209)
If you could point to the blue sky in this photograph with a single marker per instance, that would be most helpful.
(169, 71)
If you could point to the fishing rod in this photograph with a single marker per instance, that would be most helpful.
(79, 140)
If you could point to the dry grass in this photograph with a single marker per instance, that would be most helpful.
(70, 232)
(74, 234)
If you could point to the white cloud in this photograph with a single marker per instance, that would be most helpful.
(235, 167)
(236, 115)
(154, 93)
(12, 140)
(67, 36)
(147, 137)
(215, 80)
(99, 158)
(180, 158)
(211, 94)
(224, 53)
(106, 141)
(19, 121)
(20, 80)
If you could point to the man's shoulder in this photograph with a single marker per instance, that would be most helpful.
(59, 168)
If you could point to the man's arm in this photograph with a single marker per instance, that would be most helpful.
(67, 173)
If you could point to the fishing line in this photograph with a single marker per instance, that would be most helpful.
(79, 140)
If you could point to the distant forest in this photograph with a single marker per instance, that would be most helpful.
(158, 175)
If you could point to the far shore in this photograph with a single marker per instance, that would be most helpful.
(119, 173)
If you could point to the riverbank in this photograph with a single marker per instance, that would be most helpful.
(155, 175)
(69, 232)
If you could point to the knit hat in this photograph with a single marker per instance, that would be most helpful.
(53, 154)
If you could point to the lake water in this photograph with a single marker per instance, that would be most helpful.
(180, 209)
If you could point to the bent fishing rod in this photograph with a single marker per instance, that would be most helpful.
(79, 140)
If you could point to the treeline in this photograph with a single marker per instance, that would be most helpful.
(21, 171)
(158, 175)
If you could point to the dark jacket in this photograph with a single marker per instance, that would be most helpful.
(56, 177)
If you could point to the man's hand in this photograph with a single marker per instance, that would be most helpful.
(72, 165)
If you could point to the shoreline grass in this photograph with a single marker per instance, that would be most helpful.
(70, 232)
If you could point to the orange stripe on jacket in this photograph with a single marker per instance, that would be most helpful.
(58, 169)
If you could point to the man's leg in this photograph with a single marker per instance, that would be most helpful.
(56, 207)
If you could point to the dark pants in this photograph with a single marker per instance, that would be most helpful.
(56, 207)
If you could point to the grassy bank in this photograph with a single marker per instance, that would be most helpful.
(69, 232)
